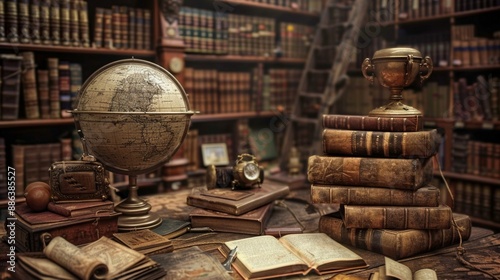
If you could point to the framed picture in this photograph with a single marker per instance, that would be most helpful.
(214, 153)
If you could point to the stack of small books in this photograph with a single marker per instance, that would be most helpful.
(379, 170)
(239, 211)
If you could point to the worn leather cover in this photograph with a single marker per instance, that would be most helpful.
(396, 244)
(397, 173)
(420, 144)
(425, 196)
(396, 217)
(358, 122)
(223, 200)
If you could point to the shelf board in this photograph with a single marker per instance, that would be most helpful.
(475, 67)
(231, 116)
(36, 122)
(79, 50)
(470, 177)
(491, 125)
(476, 12)
(485, 223)
(242, 59)
(232, 6)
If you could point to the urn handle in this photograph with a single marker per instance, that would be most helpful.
(368, 70)
(426, 68)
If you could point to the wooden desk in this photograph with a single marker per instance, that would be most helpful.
(483, 247)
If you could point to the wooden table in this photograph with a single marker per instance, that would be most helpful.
(482, 248)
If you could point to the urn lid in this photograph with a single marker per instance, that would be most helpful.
(399, 52)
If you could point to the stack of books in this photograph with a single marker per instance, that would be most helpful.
(379, 170)
(243, 211)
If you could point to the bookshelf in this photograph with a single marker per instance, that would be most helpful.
(459, 37)
(37, 33)
(252, 30)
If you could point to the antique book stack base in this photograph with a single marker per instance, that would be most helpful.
(244, 211)
(379, 170)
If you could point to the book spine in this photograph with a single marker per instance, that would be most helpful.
(98, 27)
(29, 86)
(5, 191)
(43, 93)
(11, 79)
(139, 27)
(11, 21)
(34, 15)
(131, 28)
(116, 26)
(355, 195)
(107, 28)
(124, 26)
(74, 24)
(409, 174)
(55, 22)
(75, 70)
(58, 210)
(65, 22)
(421, 144)
(45, 22)
(55, 103)
(405, 124)
(83, 20)
(397, 217)
(18, 163)
(396, 244)
(23, 18)
(3, 37)
(64, 88)
(147, 29)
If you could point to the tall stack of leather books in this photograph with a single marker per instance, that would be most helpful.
(379, 170)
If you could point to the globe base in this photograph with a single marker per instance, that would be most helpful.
(135, 211)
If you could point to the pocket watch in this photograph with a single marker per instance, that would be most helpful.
(247, 172)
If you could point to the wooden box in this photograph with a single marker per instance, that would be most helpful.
(77, 231)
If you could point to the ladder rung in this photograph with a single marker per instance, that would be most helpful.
(311, 94)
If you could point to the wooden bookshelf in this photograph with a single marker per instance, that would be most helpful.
(242, 59)
(78, 50)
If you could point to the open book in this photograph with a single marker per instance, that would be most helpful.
(102, 259)
(396, 270)
(266, 256)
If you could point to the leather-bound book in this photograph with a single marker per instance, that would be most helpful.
(43, 93)
(357, 122)
(34, 15)
(355, 195)
(74, 24)
(11, 22)
(28, 80)
(65, 21)
(420, 144)
(81, 208)
(116, 27)
(3, 37)
(252, 222)
(64, 88)
(98, 27)
(45, 22)
(55, 103)
(107, 38)
(55, 22)
(83, 20)
(396, 217)
(23, 17)
(396, 244)
(238, 202)
(10, 86)
(397, 173)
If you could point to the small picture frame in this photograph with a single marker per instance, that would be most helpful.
(214, 154)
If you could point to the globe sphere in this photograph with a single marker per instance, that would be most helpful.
(132, 116)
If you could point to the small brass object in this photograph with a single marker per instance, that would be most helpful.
(396, 68)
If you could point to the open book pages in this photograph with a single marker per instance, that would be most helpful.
(396, 270)
(102, 259)
(265, 256)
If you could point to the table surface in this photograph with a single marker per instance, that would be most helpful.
(482, 248)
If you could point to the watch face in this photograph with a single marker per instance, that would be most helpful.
(251, 171)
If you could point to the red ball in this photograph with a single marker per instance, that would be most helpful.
(37, 196)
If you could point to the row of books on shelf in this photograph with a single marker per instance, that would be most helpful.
(210, 32)
(410, 9)
(213, 91)
(66, 23)
(477, 100)
(40, 92)
(479, 200)
(122, 27)
(475, 157)
(472, 50)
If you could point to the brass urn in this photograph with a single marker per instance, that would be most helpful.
(396, 68)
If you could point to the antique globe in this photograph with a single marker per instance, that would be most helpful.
(132, 116)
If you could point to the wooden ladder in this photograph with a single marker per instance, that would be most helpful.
(324, 77)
